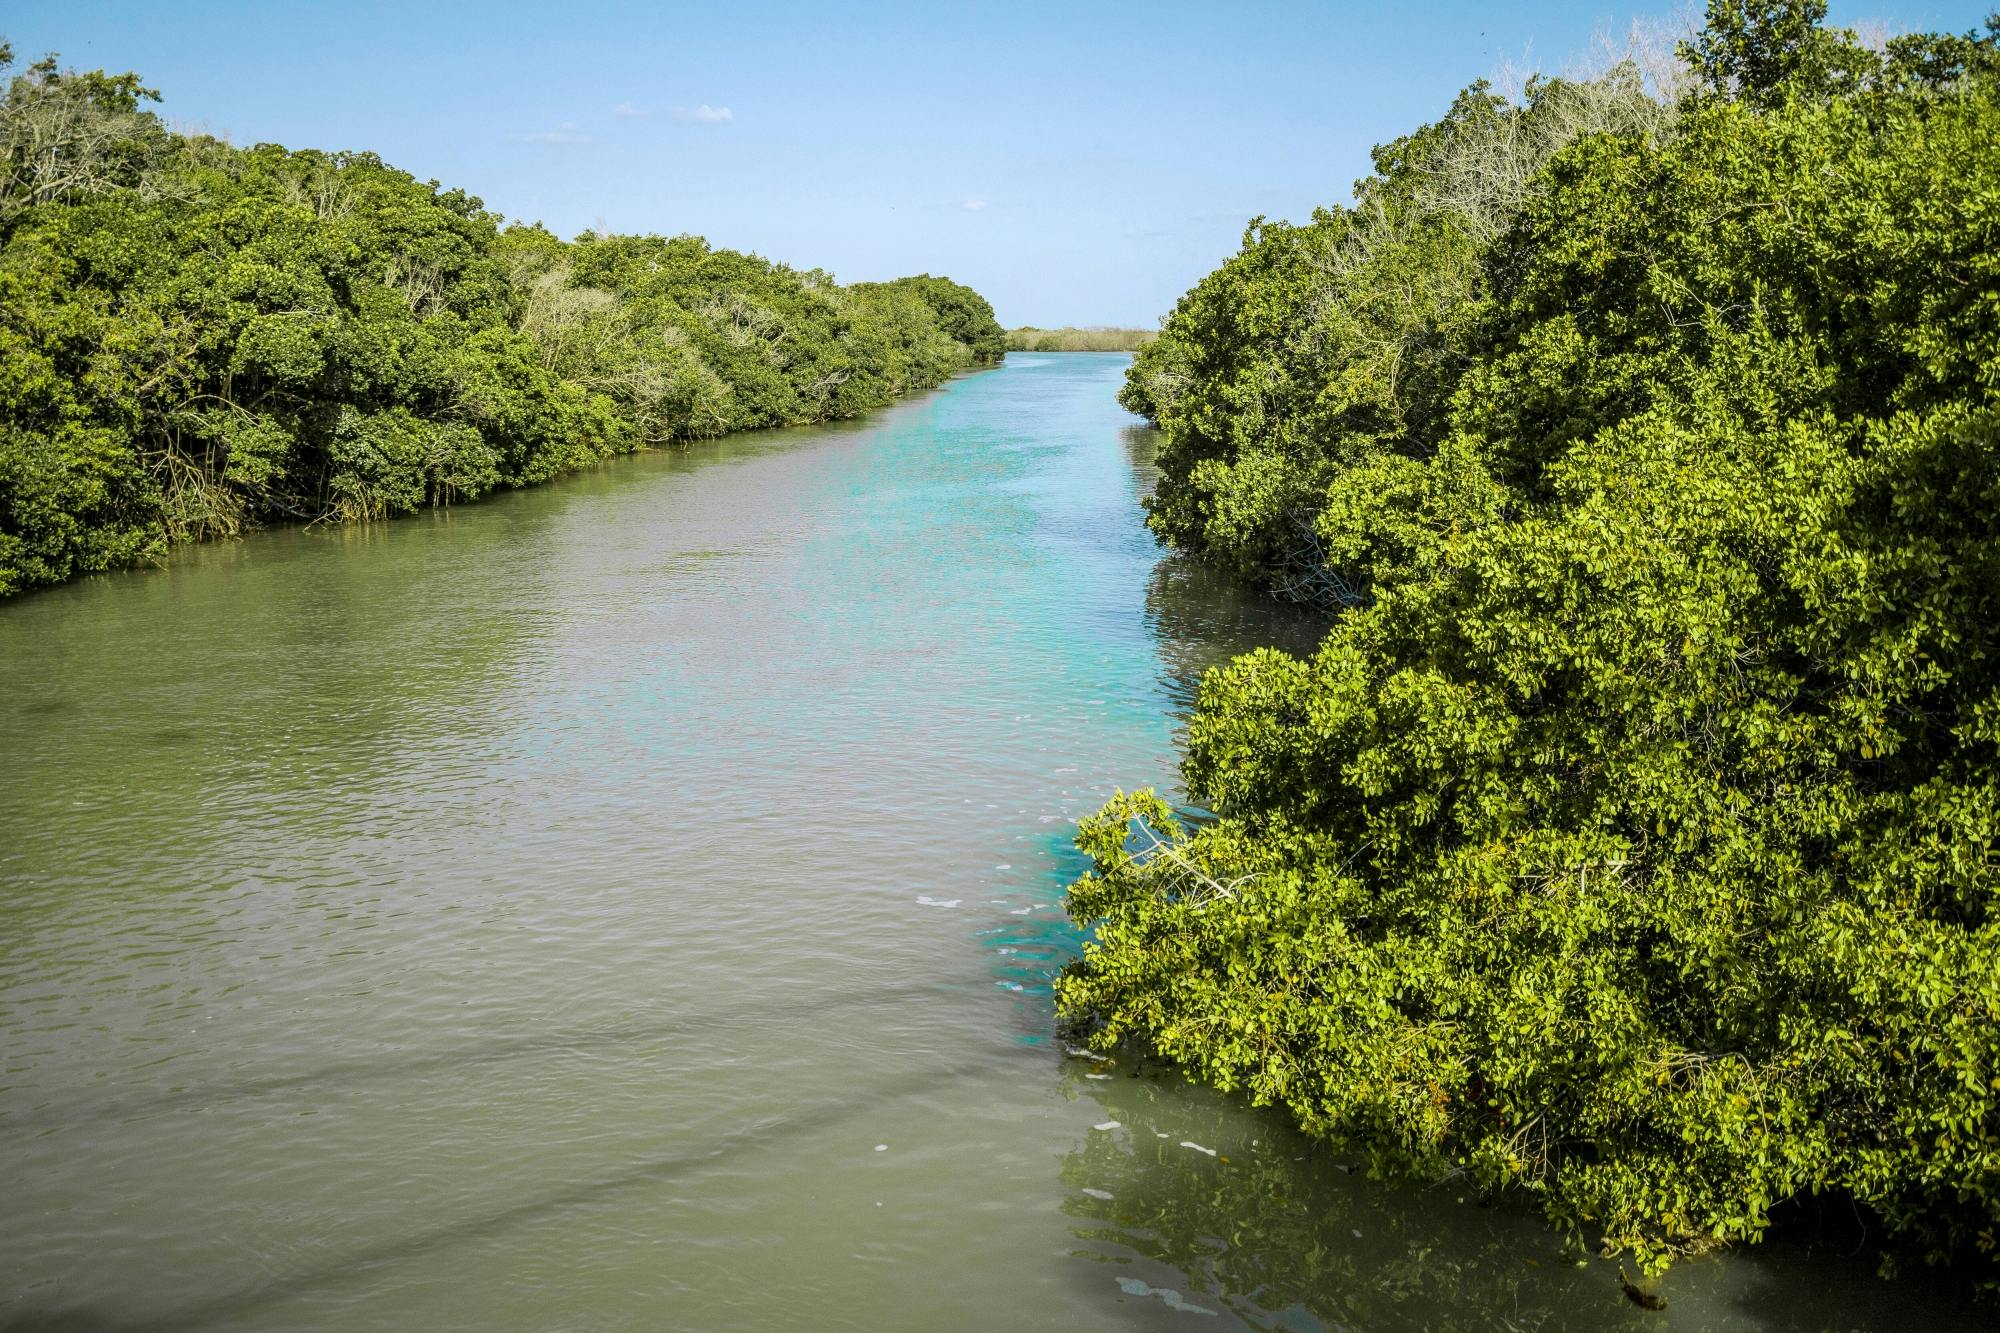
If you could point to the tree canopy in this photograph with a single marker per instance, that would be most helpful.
(196, 337)
(1631, 840)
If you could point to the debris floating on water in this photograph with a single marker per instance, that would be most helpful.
(881, 1147)
(1186, 1143)
(1132, 1286)
(1109, 1124)
(1097, 1194)
(1640, 1297)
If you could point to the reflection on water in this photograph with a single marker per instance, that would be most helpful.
(632, 904)
(1197, 610)
(1176, 1189)
(1192, 606)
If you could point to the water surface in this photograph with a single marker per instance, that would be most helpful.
(631, 904)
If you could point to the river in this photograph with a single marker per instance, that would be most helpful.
(631, 903)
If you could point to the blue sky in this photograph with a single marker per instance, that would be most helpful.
(1080, 163)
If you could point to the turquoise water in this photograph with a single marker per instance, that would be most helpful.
(632, 903)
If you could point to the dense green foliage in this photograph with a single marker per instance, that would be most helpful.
(195, 337)
(1633, 839)
(1032, 339)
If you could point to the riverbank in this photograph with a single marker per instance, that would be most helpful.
(1622, 848)
(201, 339)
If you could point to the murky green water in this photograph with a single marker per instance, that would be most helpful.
(631, 904)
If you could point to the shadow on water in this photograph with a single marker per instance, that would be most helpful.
(1202, 616)
(1182, 1193)
(413, 1246)
(1281, 1232)
(391, 1069)
(1142, 454)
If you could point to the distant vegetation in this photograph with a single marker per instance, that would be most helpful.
(1032, 339)
(195, 338)
(1633, 840)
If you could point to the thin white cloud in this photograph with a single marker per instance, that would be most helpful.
(973, 205)
(563, 133)
(706, 114)
(628, 111)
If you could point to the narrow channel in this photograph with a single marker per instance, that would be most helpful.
(640, 894)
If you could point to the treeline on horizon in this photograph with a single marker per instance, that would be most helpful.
(1632, 841)
(1031, 339)
(197, 338)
